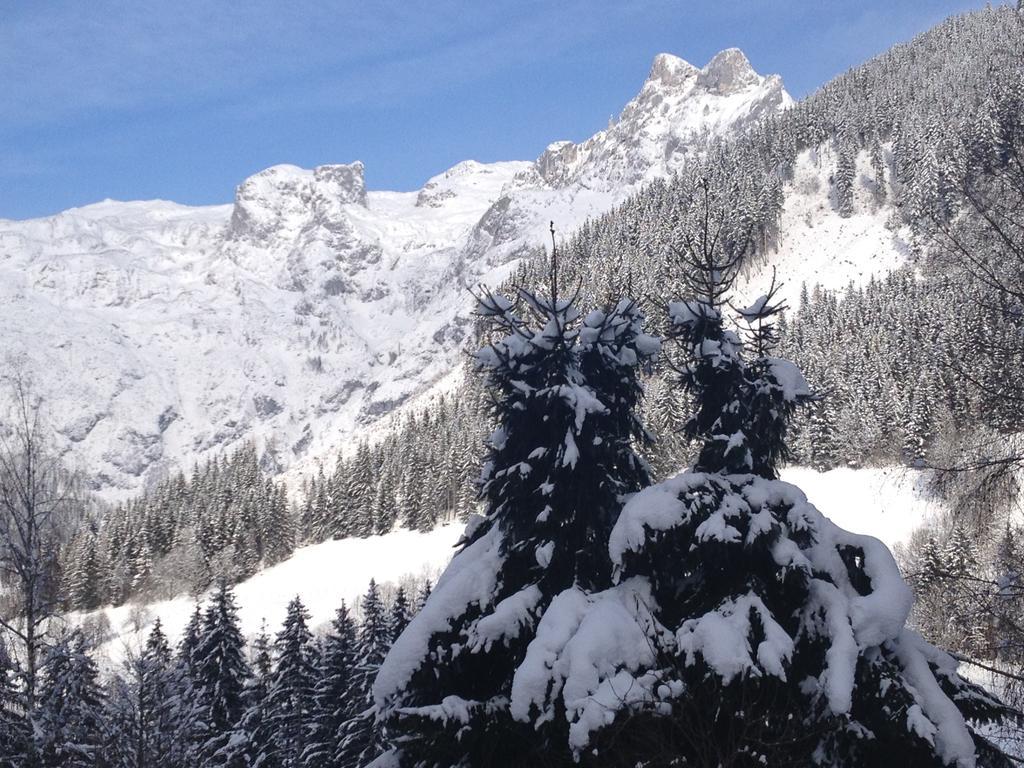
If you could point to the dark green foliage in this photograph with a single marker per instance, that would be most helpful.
(564, 394)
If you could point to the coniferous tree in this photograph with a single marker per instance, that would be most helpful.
(219, 672)
(773, 388)
(141, 707)
(68, 722)
(725, 651)
(399, 615)
(185, 711)
(846, 171)
(332, 697)
(877, 158)
(822, 433)
(559, 462)
(362, 738)
(14, 730)
(423, 595)
(290, 693)
(158, 699)
(918, 430)
(253, 743)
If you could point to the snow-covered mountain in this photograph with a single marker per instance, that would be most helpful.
(311, 307)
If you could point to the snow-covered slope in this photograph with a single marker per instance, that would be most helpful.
(323, 575)
(818, 246)
(309, 308)
(887, 503)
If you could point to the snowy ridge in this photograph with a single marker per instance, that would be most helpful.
(312, 306)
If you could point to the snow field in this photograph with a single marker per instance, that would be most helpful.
(322, 575)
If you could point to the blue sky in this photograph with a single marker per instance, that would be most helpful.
(183, 100)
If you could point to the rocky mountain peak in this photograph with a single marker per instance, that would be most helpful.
(346, 182)
(728, 72)
(284, 197)
(678, 108)
(671, 71)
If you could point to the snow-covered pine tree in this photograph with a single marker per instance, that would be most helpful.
(332, 696)
(822, 431)
(68, 722)
(712, 366)
(960, 576)
(878, 166)
(559, 463)
(141, 708)
(423, 595)
(84, 574)
(773, 388)
(185, 709)
(918, 429)
(846, 174)
(291, 688)
(159, 696)
(219, 671)
(14, 730)
(253, 740)
(745, 629)
(400, 614)
(362, 737)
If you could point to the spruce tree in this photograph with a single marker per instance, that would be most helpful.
(332, 695)
(14, 730)
(219, 672)
(878, 166)
(158, 696)
(253, 742)
(141, 711)
(423, 595)
(846, 174)
(291, 687)
(68, 722)
(823, 436)
(744, 628)
(559, 463)
(186, 709)
(399, 615)
(362, 738)
(772, 389)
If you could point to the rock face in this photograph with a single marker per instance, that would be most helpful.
(677, 108)
(309, 308)
(730, 73)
